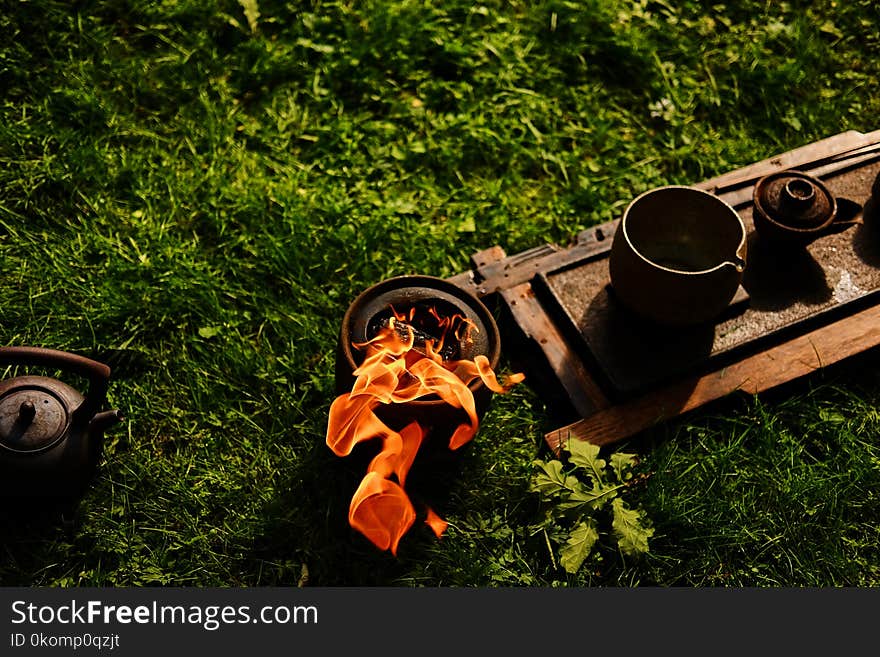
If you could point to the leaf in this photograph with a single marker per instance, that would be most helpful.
(586, 455)
(322, 48)
(828, 27)
(631, 529)
(579, 545)
(251, 12)
(622, 464)
(595, 498)
(832, 417)
(467, 225)
(209, 332)
(553, 480)
(791, 120)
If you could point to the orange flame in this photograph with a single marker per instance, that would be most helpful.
(394, 371)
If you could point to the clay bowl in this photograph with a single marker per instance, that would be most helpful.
(678, 256)
(372, 308)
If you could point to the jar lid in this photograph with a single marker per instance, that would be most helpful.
(795, 199)
(32, 419)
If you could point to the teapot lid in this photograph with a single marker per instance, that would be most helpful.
(33, 417)
(795, 199)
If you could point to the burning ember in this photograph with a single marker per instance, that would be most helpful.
(410, 358)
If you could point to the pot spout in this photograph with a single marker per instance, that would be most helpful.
(101, 421)
(738, 263)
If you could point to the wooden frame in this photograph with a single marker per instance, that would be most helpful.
(514, 283)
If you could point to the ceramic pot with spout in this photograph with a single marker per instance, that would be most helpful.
(678, 256)
(51, 435)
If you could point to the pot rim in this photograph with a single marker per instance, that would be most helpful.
(430, 282)
(740, 249)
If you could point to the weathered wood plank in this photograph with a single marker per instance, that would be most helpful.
(755, 374)
(487, 257)
(811, 154)
(584, 394)
(511, 278)
(470, 280)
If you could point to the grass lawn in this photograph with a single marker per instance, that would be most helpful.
(194, 191)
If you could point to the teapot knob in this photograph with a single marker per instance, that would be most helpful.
(26, 411)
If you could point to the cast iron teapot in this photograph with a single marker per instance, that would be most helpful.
(51, 436)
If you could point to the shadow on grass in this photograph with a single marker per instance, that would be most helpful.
(30, 530)
(308, 524)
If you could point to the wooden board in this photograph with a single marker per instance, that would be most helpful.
(757, 373)
(518, 284)
(787, 291)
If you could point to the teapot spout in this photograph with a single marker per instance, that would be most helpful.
(101, 421)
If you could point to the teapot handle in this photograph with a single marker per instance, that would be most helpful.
(97, 373)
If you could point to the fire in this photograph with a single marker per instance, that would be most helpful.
(401, 365)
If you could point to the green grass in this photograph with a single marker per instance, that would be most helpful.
(196, 200)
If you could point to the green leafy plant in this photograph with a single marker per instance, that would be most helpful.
(578, 495)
